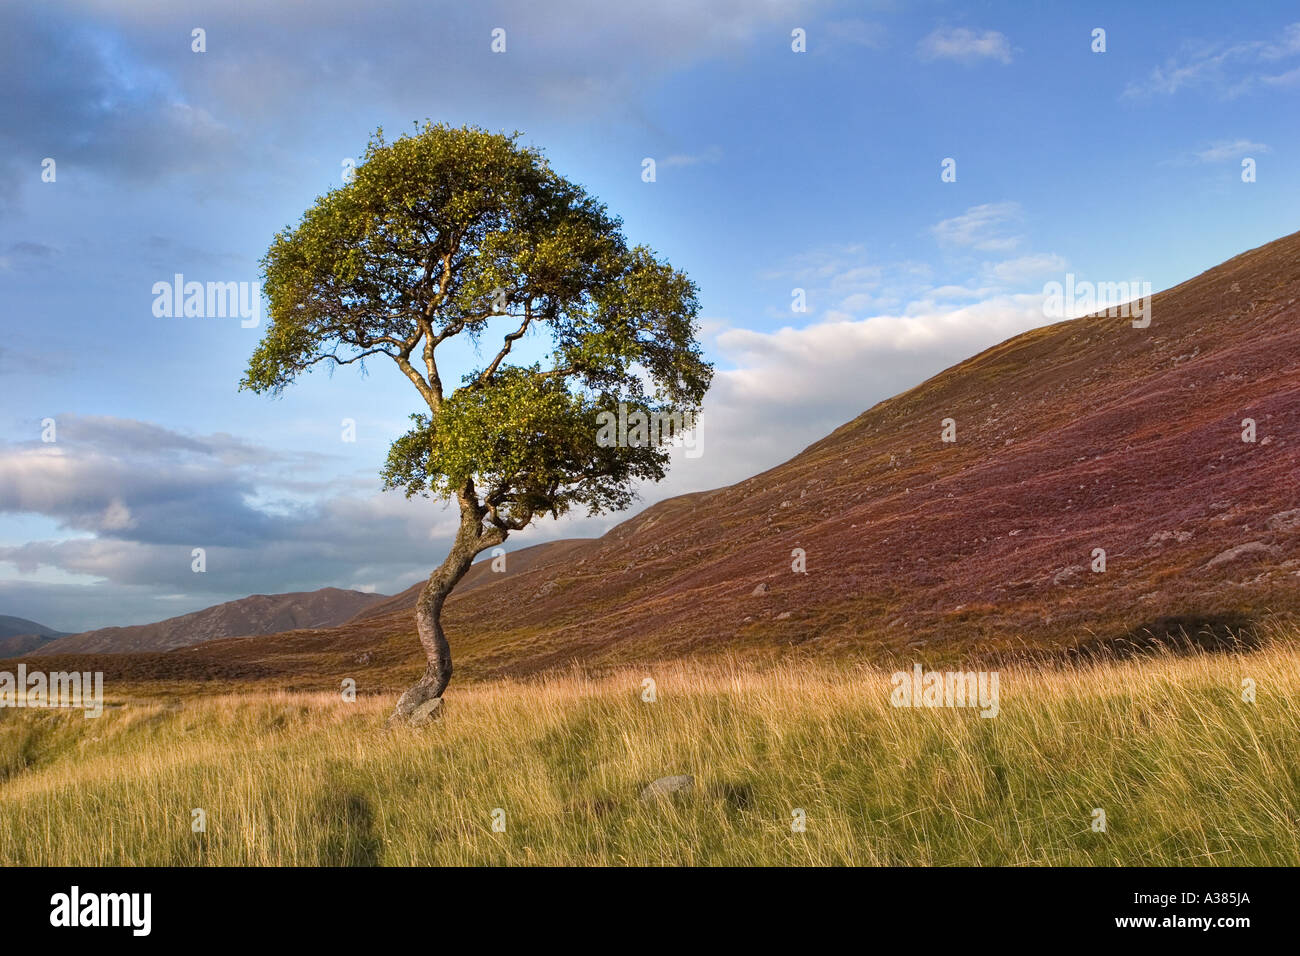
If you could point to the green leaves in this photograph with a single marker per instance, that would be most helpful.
(437, 229)
(527, 443)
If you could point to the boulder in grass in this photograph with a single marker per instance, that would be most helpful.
(1240, 551)
(668, 787)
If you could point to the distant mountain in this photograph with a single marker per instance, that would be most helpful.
(257, 614)
(20, 636)
(15, 626)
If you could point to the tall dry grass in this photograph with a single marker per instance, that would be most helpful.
(1186, 772)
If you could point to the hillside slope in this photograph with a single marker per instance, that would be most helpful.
(256, 614)
(1082, 435)
(1087, 434)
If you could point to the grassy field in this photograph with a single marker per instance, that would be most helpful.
(1186, 772)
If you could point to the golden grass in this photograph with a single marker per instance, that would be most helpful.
(1186, 771)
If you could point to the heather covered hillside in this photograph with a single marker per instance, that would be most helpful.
(1088, 434)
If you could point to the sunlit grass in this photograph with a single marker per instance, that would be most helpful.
(1186, 772)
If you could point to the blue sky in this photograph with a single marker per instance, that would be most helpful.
(775, 170)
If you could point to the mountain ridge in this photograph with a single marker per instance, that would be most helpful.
(248, 616)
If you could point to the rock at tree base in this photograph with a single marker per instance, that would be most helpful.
(426, 713)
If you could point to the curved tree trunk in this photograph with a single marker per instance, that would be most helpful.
(428, 612)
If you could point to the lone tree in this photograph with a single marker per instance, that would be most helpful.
(437, 235)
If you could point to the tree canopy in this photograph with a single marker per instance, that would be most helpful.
(444, 233)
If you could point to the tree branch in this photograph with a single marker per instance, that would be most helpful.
(334, 357)
(431, 342)
(511, 339)
(432, 396)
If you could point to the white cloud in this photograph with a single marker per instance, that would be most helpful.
(965, 45)
(1017, 271)
(1227, 69)
(117, 516)
(847, 278)
(1289, 78)
(1225, 150)
(820, 264)
(950, 292)
(981, 227)
(710, 155)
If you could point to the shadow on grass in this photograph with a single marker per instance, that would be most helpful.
(346, 820)
(1228, 632)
